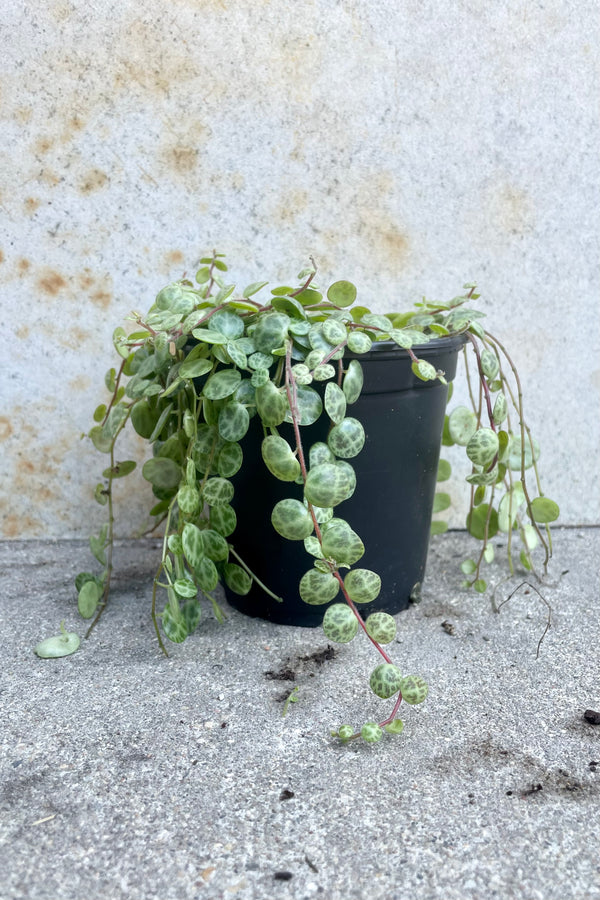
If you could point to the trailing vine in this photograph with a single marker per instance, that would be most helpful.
(205, 360)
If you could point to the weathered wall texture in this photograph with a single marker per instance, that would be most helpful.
(410, 145)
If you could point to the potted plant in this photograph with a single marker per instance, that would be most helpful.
(234, 394)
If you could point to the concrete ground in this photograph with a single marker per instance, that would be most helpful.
(129, 775)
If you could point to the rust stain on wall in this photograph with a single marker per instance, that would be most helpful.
(23, 267)
(80, 383)
(292, 204)
(93, 181)
(51, 282)
(31, 204)
(174, 258)
(6, 428)
(22, 332)
(23, 115)
(514, 210)
(78, 335)
(181, 159)
(14, 526)
(42, 146)
(1, 256)
(101, 298)
(72, 339)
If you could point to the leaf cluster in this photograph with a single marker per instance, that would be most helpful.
(206, 360)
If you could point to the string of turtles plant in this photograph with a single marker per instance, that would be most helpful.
(205, 359)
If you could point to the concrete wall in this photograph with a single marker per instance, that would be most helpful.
(409, 145)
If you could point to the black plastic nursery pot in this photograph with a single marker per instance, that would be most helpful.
(391, 508)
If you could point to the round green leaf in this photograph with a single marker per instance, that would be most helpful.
(385, 680)
(162, 473)
(143, 418)
(120, 469)
(271, 332)
(188, 500)
(317, 588)
(345, 467)
(438, 527)
(323, 373)
(185, 588)
(174, 625)
(359, 342)
(236, 354)
(193, 545)
(223, 519)
(309, 404)
(500, 409)
(353, 381)
(414, 689)
(237, 579)
(218, 491)
(544, 510)
(347, 438)
(342, 544)
(291, 519)
(335, 402)
(233, 421)
(228, 323)
(88, 598)
(271, 404)
(339, 623)
(483, 446)
(301, 374)
(461, 425)
(206, 574)
(514, 453)
(476, 522)
(279, 458)
(334, 331)
(444, 470)
(326, 485)
(60, 645)
(362, 585)
(320, 453)
(381, 627)
(229, 460)
(195, 368)
(222, 384)
(424, 370)
(177, 299)
(259, 361)
(342, 293)
(489, 364)
(395, 727)
(190, 614)
(371, 732)
(215, 545)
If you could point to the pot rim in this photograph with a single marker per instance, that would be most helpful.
(436, 345)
